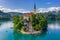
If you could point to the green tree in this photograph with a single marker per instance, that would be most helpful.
(38, 21)
(33, 19)
(20, 18)
(18, 22)
(37, 27)
(16, 19)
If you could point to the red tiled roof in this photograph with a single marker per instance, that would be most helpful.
(28, 14)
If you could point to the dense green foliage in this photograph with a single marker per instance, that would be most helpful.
(37, 20)
(18, 22)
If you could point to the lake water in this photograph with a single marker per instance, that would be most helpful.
(52, 33)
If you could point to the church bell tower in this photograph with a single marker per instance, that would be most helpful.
(34, 8)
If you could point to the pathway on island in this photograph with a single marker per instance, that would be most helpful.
(30, 27)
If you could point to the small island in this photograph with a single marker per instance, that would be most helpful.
(35, 23)
(30, 23)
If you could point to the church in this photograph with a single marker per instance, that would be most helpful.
(27, 21)
(26, 15)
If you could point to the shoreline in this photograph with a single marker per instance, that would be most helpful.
(34, 32)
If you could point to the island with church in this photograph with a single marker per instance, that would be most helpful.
(30, 23)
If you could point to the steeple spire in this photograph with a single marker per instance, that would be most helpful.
(34, 8)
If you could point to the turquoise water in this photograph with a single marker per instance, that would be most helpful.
(52, 33)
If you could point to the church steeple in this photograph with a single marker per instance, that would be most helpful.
(34, 8)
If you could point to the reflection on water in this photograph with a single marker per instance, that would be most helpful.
(52, 33)
(5, 32)
(54, 24)
(19, 36)
(6, 25)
